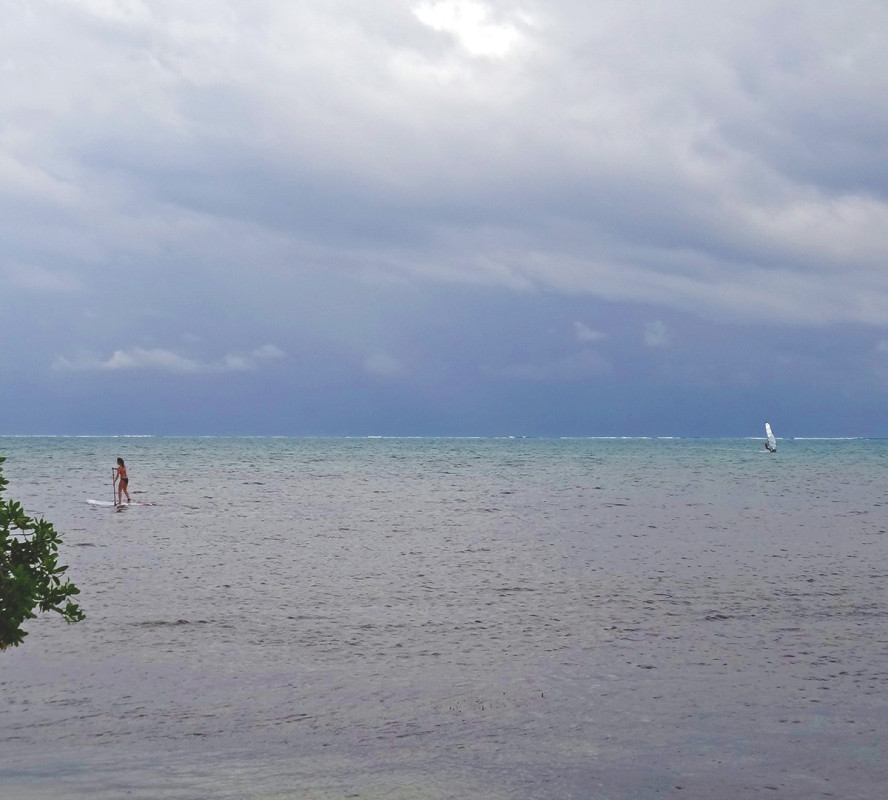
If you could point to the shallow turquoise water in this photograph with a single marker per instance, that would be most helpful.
(455, 618)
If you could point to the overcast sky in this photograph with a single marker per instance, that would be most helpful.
(626, 217)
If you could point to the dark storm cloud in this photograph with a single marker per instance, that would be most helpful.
(595, 130)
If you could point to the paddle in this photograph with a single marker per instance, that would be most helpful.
(113, 487)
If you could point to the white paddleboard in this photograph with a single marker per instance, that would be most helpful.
(107, 504)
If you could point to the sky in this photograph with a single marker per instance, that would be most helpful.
(444, 217)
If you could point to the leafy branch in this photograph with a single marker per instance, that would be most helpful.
(30, 574)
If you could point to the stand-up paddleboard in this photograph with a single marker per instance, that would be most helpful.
(106, 504)
(102, 503)
(772, 442)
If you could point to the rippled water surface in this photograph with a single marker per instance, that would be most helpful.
(422, 618)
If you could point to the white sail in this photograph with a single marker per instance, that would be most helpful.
(772, 442)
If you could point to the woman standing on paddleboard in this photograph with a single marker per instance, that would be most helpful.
(122, 481)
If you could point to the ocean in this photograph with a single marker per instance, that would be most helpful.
(455, 618)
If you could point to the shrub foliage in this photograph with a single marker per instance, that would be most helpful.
(30, 575)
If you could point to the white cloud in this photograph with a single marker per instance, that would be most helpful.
(472, 24)
(583, 333)
(136, 358)
(162, 360)
(268, 352)
(236, 363)
(656, 334)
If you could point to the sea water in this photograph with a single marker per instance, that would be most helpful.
(455, 618)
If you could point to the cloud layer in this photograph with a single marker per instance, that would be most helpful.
(679, 155)
(454, 201)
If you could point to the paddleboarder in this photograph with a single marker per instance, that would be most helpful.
(122, 481)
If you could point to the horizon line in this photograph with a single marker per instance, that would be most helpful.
(551, 437)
